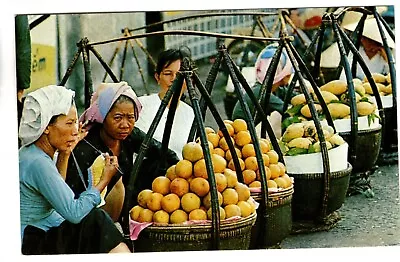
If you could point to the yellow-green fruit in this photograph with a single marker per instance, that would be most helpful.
(365, 108)
(293, 131)
(317, 146)
(145, 215)
(190, 201)
(336, 140)
(386, 89)
(229, 196)
(345, 97)
(97, 171)
(388, 79)
(305, 110)
(378, 78)
(357, 81)
(207, 199)
(329, 97)
(359, 88)
(198, 214)
(271, 184)
(338, 110)
(300, 142)
(336, 87)
(143, 197)
(368, 88)
(309, 128)
(299, 99)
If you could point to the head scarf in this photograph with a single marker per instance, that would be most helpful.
(104, 98)
(39, 107)
(264, 59)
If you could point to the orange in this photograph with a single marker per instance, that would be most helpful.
(229, 196)
(213, 138)
(275, 170)
(207, 200)
(281, 182)
(243, 191)
(192, 151)
(184, 168)
(178, 216)
(209, 130)
(179, 186)
(251, 163)
(154, 202)
(170, 173)
(190, 201)
(219, 163)
(161, 185)
(243, 138)
(223, 144)
(273, 156)
(248, 150)
(221, 213)
(249, 176)
(221, 181)
(271, 184)
(198, 214)
(239, 125)
(283, 168)
(219, 151)
(199, 186)
(231, 165)
(145, 216)
(161, 217)
(228, 154)
(135, 211)
(231, 177)
(264, 146)
(170, 203)
(265, 158)
(267, 173)
(232, 211)
(143, 196)
(245, 208)
(199, 169)
(229, 128)
(255, 184)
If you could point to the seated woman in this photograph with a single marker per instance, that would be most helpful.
(52, 220)
(110, 120)
(168, 66)
(283, 74)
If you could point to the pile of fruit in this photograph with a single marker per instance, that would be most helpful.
(184, 192)
(336, 95)
(302, 138)
(383, 83)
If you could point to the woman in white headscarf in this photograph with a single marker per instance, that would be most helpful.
(52, 221)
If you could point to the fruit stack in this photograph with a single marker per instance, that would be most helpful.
(336, 96)
(302, 138)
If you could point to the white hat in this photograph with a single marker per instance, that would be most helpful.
(353, 16)
(371, 31)
(39, 107)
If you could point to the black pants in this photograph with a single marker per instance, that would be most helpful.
(96, 233)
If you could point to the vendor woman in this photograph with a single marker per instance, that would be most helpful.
(52, 220)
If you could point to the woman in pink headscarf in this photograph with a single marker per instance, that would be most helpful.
(281, 79)
(110, 121)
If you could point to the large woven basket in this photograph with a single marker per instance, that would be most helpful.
(279, 220)
(234, 235)
(308, 193)
(367, 148)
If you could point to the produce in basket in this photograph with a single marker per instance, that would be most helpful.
(302, 138)
(336, 95)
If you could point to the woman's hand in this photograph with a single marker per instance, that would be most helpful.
(82, 133)
(110, 168)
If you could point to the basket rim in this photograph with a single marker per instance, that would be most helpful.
(282, 193)
(348, 169)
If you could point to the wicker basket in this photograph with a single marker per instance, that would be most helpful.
(279, 221)
(234, 235)
(308, 192)
(367, 148)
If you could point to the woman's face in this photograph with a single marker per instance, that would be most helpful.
(120, 120)
(168, 75)
(63, 133)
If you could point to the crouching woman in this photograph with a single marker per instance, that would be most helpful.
(52, 220)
